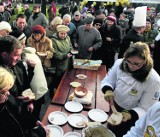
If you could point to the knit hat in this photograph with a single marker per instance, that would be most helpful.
(148, 19)
(26, 6)
(18, 34)
(36, 7)
(56, 21)
(111, 18)
(38, 29)
(97, 21)
(62, 28)
(5, 26)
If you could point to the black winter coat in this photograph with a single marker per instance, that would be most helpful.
(156, 56)
(11, 124)
(132, 36)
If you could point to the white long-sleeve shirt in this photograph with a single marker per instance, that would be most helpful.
(130, 93)
(148, 125)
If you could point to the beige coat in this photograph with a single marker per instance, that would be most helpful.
(45, 46)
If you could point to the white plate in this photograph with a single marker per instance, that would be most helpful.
(97, 115)
(75, 84)
(57, 118)
(73, 106)
(72, 134)
(73, 119)
(81, 76)
(55, 131)
(74, 51)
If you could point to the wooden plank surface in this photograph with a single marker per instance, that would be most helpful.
(63, 89)
(91, 83)
(100, 101)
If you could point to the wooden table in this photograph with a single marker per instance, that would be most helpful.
(92, 83)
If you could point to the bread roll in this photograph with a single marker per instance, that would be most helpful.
(28, 93)
(115, 118)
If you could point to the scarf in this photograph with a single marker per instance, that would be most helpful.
(141, 74)
(147, 29)
(35, 15)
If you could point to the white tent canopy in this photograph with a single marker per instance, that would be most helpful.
(104, 0)
(145, 1)
(131, 1)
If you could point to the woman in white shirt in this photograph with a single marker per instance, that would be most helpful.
(148, 125)
(132, 85)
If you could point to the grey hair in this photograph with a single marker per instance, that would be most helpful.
(67, 16)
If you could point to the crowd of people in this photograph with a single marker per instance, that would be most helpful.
(35, 52)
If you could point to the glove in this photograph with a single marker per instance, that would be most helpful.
(49, 55)
(109, 96)
(126, 115)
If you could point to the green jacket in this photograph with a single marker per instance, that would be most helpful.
(62, 48)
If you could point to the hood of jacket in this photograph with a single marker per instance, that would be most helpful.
(42, 40)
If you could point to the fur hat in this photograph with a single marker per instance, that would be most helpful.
(38, 29)
(111, 18)
(56, 21)
(18, 34)
(62, 28)
(5, 26)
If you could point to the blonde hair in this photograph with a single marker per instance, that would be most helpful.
(139, 49)
(6, 79)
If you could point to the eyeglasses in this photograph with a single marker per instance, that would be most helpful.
(97, 24)
(134, 64)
